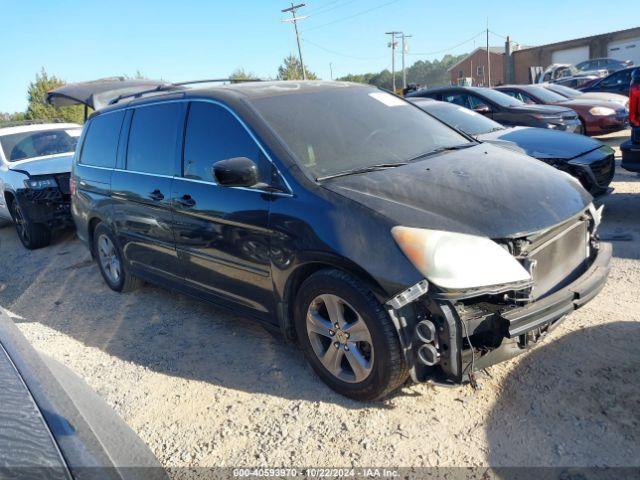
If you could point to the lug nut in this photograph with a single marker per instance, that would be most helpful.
(332, 333)
(346, 334)
(346, 347)
(336, 325)
(337, 345)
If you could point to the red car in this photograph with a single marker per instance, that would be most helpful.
(597, 117)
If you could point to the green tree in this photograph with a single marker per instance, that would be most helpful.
(422, 72)
(39, 109)
(291, 69)
(240, 74)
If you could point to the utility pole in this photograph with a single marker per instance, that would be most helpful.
(295, 20)
(404, 70)
(488, 58)
(331, 69)
(393, 57)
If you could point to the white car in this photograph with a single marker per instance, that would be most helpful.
(35, 166)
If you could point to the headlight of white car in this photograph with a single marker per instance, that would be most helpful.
(601, 111)
(40, 183)
(456, 261)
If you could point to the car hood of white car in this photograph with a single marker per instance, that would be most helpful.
(47, 165)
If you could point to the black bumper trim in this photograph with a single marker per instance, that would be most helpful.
(631, 155)
(573, 296)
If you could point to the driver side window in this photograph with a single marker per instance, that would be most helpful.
(616, 79)
(475, 102)
(214, 134)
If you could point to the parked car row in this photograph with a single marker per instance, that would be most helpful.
(597, 117)
(589, 160)
(390, 239)
(584, 74)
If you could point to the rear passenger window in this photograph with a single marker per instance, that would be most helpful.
(214, 134)
(153, 137)
(101, 141)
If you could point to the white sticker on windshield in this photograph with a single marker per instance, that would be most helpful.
(388, 99)
(467, 111)
(74, 133)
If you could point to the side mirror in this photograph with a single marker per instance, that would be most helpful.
(482, 108)
(236, 172)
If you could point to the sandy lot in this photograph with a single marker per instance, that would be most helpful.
(205, 388)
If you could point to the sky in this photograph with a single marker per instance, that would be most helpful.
(79, 40)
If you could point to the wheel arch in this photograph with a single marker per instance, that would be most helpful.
(307, 268)
(9, 197)
(91, 228)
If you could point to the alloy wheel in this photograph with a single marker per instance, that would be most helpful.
(109, 259)
(340, 338)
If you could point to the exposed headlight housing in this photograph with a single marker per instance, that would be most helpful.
(601, 111)
(40, 183)
(456, 261)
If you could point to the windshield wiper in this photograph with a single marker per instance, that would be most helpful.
(355, 171)
(435, 151)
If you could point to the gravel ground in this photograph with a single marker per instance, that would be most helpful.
(205, 388)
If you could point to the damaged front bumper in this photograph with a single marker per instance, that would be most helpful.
(48, 206)
(445, 340)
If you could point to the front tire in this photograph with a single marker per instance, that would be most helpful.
(347, 336)
(32, 235)
(111, 261)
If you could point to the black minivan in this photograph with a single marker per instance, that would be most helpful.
(387, 243)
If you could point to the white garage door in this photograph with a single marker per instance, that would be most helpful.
(571, 55)
(625, 50)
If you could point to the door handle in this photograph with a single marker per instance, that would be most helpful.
(186, 201)
(156, 195)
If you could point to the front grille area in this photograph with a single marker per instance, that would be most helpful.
(603, 170)
(560, 260)
(63, 180)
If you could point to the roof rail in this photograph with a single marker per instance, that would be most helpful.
(176, 86)
(21, 123)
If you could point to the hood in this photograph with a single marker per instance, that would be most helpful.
(586, 103)
(543, 109)
(44, 165)
(543, 143)
(481, 190)
(607, 97)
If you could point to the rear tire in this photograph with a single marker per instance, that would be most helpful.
(111, 261)
(32, 235)
(359, 358)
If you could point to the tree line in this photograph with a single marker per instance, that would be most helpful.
(424, 73)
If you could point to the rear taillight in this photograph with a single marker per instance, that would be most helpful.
(72, 186)
(634, 99)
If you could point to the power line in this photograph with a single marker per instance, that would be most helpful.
(450, 48)
(322, 10)
(328, 50)
(352, 16)
(295, 20)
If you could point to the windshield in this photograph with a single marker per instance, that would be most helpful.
(21, 146)
(333, 130)
(460, 118)
(566, 91)
(500, 98)
(546, 96)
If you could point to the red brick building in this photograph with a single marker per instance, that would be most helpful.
(474, 66)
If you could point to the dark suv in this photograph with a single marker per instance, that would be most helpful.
(379, 237)
(504, 109)
(617, 82)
